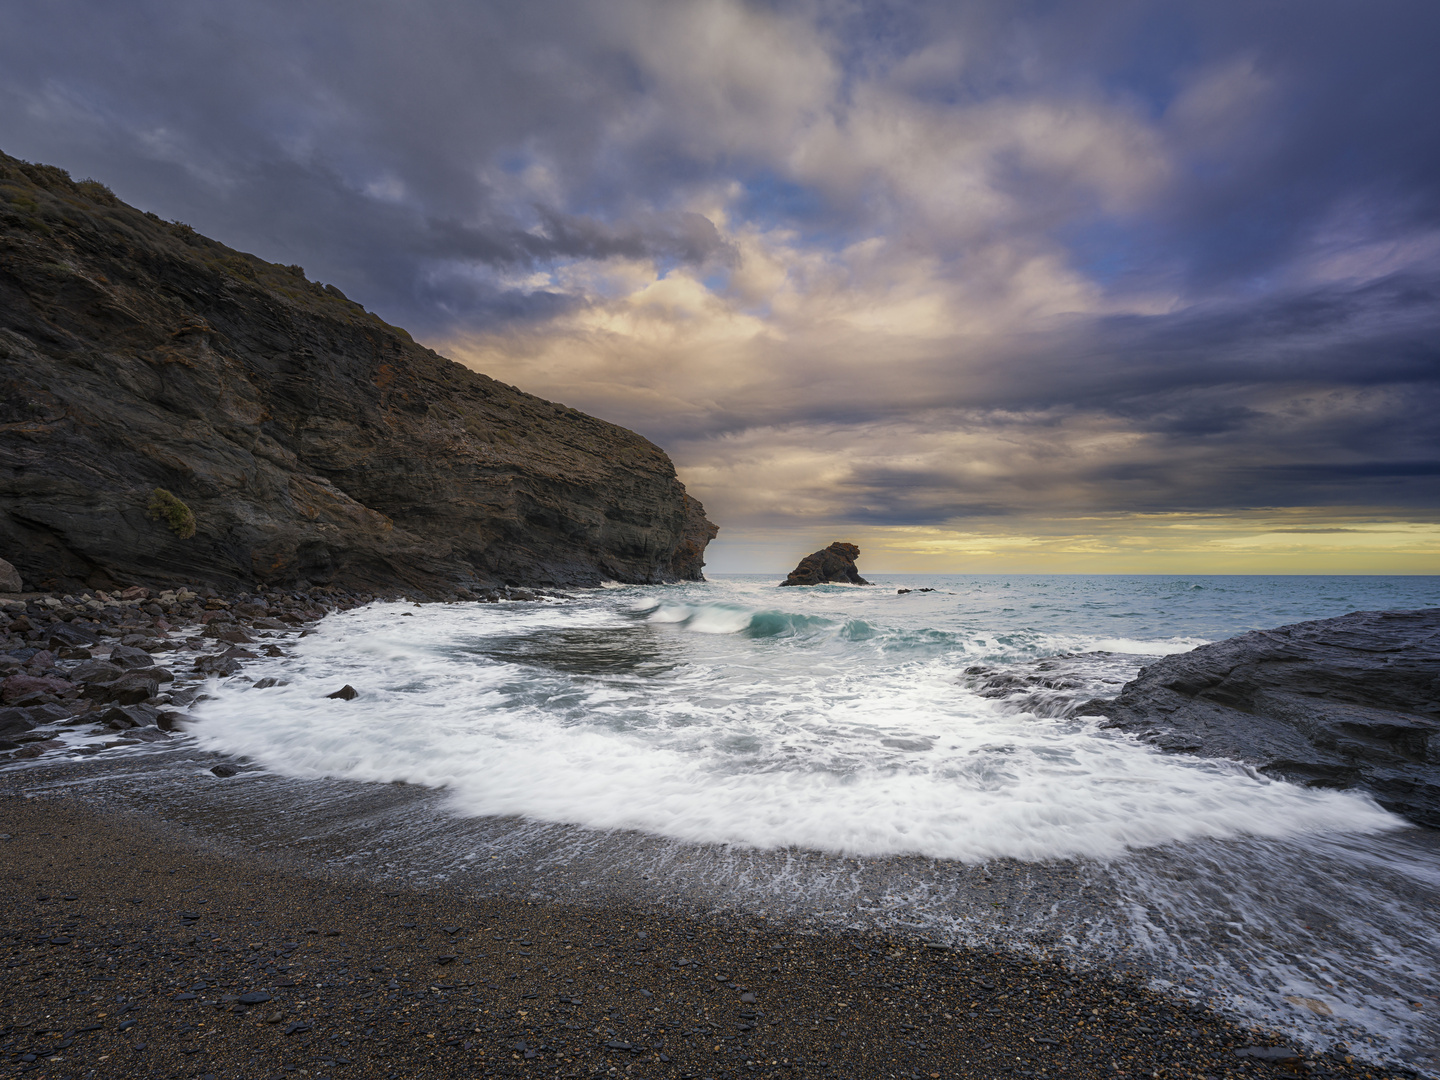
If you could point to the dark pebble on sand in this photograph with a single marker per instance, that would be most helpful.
(837, 1005)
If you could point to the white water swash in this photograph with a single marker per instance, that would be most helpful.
(850, 721)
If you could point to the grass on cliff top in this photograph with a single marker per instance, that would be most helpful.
(41, 198)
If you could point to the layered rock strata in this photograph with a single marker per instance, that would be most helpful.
(172, 410)
(1349, 702)
(834, 564)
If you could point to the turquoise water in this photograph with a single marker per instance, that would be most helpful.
(1142, 606)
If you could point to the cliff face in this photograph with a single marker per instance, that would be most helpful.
(309, 439)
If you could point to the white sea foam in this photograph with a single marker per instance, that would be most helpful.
(829, 723)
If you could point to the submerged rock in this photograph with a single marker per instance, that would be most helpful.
(835, 563)
(1349, 702)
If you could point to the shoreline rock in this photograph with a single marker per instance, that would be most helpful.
(133, 661)
(834, 564)
(1348, 702)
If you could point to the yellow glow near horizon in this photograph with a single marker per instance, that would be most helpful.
(1274, 542)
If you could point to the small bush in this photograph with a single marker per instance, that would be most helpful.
(47, 176)
(95, 191)
(167, 508)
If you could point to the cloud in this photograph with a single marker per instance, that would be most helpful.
(905, 267)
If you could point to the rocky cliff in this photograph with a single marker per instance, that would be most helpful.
(172, 410)
(1352, 701)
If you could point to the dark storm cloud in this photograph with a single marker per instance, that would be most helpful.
(685, 237)
(1186, 255)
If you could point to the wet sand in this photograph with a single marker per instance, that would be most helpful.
(132, 950)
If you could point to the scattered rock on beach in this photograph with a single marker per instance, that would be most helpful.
(345, 693)
(835, 563)
(10, 578)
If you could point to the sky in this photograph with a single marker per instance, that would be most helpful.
(1003, 286)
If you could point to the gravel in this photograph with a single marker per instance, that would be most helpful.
(131, 952)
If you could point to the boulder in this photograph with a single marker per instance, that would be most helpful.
(96, 671)
(170, 720)
(64, 635)
(228, 632)
(10, 578)
(217, 665)
(124, 656)
(1349, 702)
(14, 722)
(131, 688)
(835, 563)
(42, 661)
(122, 717)
(20, 688)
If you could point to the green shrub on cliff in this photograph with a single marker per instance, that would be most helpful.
(167, 508)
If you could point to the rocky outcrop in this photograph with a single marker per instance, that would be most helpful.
(696, 531)
(1347, 702)
(176, 412)
(835, 563)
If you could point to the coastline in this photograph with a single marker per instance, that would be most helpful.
(186, 815)
(127, 665)
(115, 918)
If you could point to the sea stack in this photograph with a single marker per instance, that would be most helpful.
(835, 563)
(175, 412)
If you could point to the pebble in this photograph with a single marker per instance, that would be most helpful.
(268, 995)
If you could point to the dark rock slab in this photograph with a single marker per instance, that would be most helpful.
(128, 658)
(96, 671)
(1349, 702)
(131, 688)
(15, 722)
(835, 563)
(217, 665)
(64, 635)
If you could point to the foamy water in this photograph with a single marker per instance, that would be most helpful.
(839, 756)
(837, 720)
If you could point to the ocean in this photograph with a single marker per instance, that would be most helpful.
(855, 720)
(851, 756)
